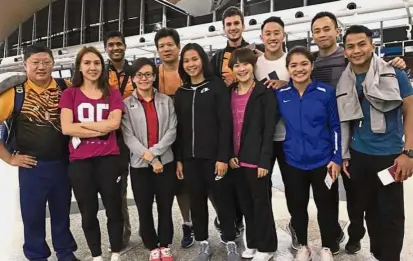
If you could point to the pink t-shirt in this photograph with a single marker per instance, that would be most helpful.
(91, 110)
(238, 105)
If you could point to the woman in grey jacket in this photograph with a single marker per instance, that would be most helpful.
(149, 129)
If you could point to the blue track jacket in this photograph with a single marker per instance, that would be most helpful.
(313, 136)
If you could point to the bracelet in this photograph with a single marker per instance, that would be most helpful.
(153, 160)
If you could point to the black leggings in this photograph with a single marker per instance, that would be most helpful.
(88, 178)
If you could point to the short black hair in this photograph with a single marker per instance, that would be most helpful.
(325, 14)
(36, 48)
(299, 50)
(242, 55)
(206, 65)
(273, 19)
(113, 34)
(167, 32)
(140, 62)
(358, 29)
(232, 11)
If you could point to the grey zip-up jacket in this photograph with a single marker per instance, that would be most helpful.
(135, 130)
(380, 89)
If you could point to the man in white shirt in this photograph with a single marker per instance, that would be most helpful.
(272, 71)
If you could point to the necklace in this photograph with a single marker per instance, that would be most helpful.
(249, 89)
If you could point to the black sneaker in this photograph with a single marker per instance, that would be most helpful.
(353, 248)
(217, 225)
(335, 250)
(341, 238)
(188, 240)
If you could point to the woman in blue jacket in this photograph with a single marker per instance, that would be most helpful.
(312, 150)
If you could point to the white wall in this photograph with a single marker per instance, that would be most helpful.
(10, 218)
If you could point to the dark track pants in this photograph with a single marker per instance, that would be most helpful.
(146, 186)
(298, 184)
(200, 180)
(90, 177)
(255, 202)
(124, 172)
(381, 206)
(46, 183)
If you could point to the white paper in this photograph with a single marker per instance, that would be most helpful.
(385, 177)
(76, 142)
(329, 181)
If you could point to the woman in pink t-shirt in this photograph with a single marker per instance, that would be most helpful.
(90, 114)
(254, 117)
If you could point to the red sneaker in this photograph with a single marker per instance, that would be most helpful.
(166, 254)
(155, 255)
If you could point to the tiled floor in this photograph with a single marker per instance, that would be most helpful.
(11, 237)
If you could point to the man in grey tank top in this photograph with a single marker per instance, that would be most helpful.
(330, 63)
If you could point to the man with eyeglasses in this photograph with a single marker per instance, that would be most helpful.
(41, 153)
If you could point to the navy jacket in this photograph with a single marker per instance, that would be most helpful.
(313, 136)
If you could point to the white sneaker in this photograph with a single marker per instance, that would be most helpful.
(98, 258)
(249, 253)
(155, 255)
(261, 256)
(326, 254)
(115, 257)
(303, 254)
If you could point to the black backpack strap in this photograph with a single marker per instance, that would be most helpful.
(19, 95)
(218, 65)
(61, 83)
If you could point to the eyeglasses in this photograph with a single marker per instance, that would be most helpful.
(141, 75)
(44, 63)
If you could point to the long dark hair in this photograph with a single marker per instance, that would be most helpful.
(206, 66)
(77, 80)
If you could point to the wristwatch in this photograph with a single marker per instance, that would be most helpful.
(408, 153)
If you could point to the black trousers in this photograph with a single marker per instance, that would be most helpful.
(278, 156)
(381, 206)
(200, 181)
(254, 199)
(297, 192)
(146, 186)
(88, 178)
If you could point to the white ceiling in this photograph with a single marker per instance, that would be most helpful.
(14, 12)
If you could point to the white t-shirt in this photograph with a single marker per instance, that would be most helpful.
(266, 69)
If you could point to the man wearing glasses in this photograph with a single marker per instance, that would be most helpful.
(41, 154)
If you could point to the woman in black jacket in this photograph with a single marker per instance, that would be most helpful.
(203, 110)
(254, 117)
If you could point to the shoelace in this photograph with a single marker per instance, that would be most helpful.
(154, 254)
(231, 248)
(302, 252)
(327, 252)
(204, 248)
(187, 231)
(166, 252)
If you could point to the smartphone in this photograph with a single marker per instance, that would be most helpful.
(273, 75)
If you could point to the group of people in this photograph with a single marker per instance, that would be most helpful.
(202, 129)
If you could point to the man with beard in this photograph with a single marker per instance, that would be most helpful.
(329, 65)
(233, 22)
(167, 81)
(119, 76)
(234, 26)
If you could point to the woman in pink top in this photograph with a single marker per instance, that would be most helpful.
(254, 117)
(90, 114)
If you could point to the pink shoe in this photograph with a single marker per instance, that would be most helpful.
(166, 254)
(155, 255)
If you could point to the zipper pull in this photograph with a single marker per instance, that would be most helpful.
(360, 123)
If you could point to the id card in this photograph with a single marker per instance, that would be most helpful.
(328, 180)
(76, 142)
(386, 176)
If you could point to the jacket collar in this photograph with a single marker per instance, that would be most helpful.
(310, 87)
(138, 97)
(243, 44)
(258, 89)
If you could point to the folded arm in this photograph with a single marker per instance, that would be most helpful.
(106, 126)
(75, 129)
